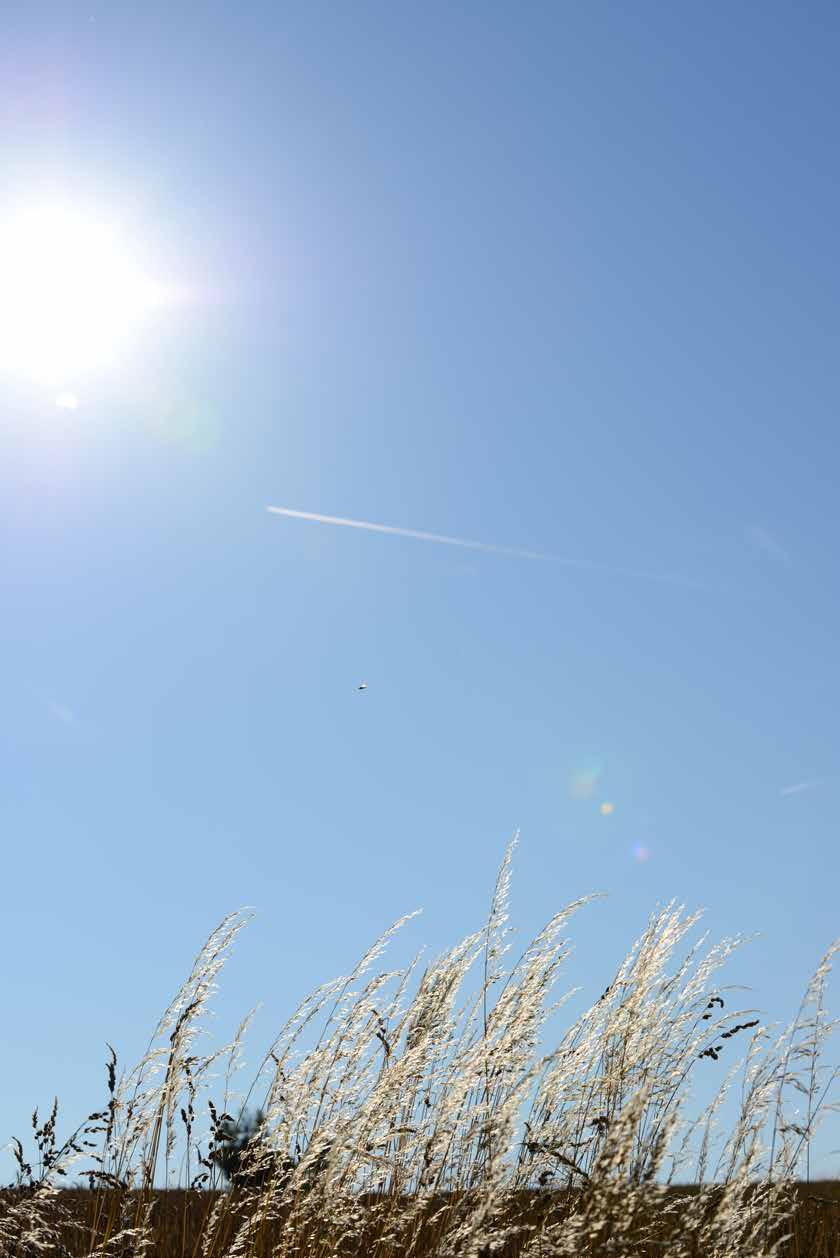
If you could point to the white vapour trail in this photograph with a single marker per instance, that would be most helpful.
(514, 552)
(798, 787)
(419, 535)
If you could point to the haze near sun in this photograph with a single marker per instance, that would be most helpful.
(72, 293)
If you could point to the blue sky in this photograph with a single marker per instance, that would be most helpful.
(560, 278)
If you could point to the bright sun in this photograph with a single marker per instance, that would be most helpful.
(71, 295)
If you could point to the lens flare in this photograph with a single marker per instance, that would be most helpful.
(642, 853)
(584, 781)
(607, 809)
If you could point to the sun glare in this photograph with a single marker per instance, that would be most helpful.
(71, 294)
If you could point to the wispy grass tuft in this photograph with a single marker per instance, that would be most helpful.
(420, 1111)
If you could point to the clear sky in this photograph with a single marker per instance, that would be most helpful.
(559, 277)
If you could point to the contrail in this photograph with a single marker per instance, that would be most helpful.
(797, 787)
(418, 534)
(514, 552)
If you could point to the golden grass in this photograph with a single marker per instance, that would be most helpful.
(418, 1112)
(180, 1216)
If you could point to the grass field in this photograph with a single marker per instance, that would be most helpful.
(179, 1224)
(421, 1112)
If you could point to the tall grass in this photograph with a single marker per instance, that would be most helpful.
(420, 1111)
